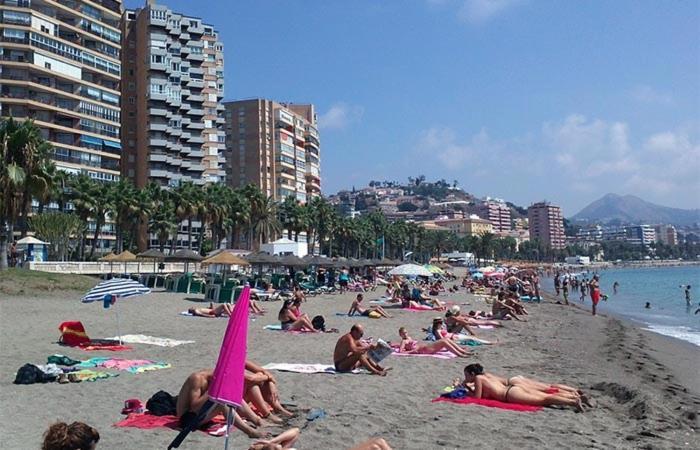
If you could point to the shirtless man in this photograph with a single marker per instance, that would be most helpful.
(350, 353)
(357, 308)
(223, 309)
(193, 395)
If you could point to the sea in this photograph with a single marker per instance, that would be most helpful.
(662, 287)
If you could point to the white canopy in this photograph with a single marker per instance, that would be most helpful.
(410, 270)
(30, 240)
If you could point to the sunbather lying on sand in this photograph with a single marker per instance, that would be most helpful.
(359, 309)
(455, 322)
(351, 353)
(519, 390)
(223, 309)
(290, 321)
(439, 331)
(411, 346)
(373, 444)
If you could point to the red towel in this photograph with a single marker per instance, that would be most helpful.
(73, 334)
(490, 403)
(149, 422)
(103, 346)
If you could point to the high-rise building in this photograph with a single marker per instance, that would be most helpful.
(546, 224)
(666, 234)
(640, 234)
(60, 66)
(274, 146)
(172, 85)
(496, 212)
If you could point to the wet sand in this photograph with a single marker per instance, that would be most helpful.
(645, 385)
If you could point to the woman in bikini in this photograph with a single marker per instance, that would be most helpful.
(291, 322)
(357, 308)
(486, 386)
(223, 309)
(438, 331)
(411, 346)
(594, 287)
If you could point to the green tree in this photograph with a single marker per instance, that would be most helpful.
(58, 229)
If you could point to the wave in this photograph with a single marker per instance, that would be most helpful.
(678, 332)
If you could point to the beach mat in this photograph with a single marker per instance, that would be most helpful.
(129, 365)
(304, 368)
(439, 355)
(217, 427)
(151, 340)
(188, 314)
(108, 346)
(278, 327)
(489, 403)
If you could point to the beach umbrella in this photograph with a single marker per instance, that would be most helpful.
(260, 258)
(410, 270)
(434, 269)
(495, 274)
(108, 257)
(477, 275)
(110, 290)
(341, 262)
(152, 254)
(124, 257)
(226, 259)
(290, 261)
(226, 387)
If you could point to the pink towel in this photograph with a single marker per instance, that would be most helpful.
(101, 346)
(149, 422)
(439, 355)
(419, 308)
(490, 403)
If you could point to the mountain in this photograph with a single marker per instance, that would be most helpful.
(631, 209)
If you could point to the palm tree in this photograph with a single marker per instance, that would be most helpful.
(82, 190)
(237, 218)
(162, 221)
(185, 199)
(289, 212)
(12, 180)
(263, 221)
(125, 201)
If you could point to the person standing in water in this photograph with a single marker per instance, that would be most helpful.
(688, 301)
(615, 286)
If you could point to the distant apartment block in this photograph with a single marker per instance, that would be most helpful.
(546, 224)
(60, 66)
(468, 226)
(274, 146)
(666, 234)
(496, 212)
(640, 234)
(172, 85)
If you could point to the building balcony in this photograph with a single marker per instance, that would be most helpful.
(156, 142)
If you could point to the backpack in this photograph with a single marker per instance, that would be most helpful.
(30, 374)
(162, 404)
(319, 323)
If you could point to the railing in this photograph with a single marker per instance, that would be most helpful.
(99, 268)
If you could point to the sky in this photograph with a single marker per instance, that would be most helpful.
(525, 100)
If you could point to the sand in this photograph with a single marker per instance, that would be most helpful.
(645, 386)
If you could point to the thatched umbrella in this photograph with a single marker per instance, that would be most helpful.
(152, 254)
(290, 261)
(185, 255)
(225, 259)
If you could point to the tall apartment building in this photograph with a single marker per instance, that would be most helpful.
(274, 146)
(172, 85)
(60, 66)
(666, 234)
(546, 225)
(496, 212)
(640, 234)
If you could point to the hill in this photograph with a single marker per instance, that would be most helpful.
(631, 209)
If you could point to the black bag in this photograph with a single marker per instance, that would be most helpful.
(319, 323)
(30, 374)
(162, 404)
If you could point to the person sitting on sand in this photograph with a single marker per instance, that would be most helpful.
(223, 309)
(438, 331)
(418, 296)
(500, 310)
(76, 436)
(351, 353)
(486, 387)
(411, 346)
(373, 444)
(290, 321)
(514, 302)
(455, 322)
(357, 308)
(193, 395)
(261, 391)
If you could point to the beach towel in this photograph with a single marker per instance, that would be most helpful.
(372, 315)
(304, 368)
(128, 365)
(217, 426)
(489, 403)
(93, 375)
(419, 308)
(107, 346)
(151, 340)
(278, 327)
(188, 314)
(73, 335)
(438, 355)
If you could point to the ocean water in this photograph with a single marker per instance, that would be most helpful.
(669, 314)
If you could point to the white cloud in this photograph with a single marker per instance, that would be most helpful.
(646, 94)
(478, 11)
(442, 143)
(340, 116)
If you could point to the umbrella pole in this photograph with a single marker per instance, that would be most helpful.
(229, 422)
(119, 331)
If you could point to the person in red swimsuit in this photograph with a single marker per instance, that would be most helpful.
(594, 287)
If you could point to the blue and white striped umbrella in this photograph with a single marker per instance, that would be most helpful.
(118, 287)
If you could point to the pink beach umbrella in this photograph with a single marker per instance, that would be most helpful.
(227, 382)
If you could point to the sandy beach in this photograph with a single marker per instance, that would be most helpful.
(645, 385)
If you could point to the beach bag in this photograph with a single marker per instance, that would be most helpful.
(374, 315)
(162, 404)
(319, 323)
(72, 334)
(30, 374)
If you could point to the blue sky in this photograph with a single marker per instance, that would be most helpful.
(519, 99)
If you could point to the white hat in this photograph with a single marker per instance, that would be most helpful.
(454, 309)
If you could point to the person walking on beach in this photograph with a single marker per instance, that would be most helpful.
(557, 283)
(584, 287)
(565, 289)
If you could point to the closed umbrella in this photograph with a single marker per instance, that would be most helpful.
(110, 290)
(410, 270)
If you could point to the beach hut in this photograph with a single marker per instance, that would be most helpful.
(34, 249)
(285, 246)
